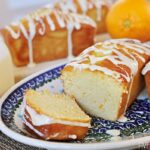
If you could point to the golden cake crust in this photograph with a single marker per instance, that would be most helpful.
(92, 8)
(57, 131)
(122, 60)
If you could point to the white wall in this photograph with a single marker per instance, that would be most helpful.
(11, 10)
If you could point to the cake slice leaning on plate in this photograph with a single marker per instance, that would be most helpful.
(54, 116)
(106, 78)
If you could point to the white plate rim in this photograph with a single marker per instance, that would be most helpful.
(60, 145)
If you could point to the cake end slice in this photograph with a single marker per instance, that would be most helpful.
(54, 116)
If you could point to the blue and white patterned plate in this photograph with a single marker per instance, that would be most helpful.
(131, 132)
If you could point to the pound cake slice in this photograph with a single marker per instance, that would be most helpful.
(146, 73)
(48, 34)
(54, 116)
(106, 78)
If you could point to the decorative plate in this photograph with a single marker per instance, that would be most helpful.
(131, 131)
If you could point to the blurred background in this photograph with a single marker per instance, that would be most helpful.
(11, 10)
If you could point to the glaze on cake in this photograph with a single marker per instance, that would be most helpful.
(111, 69)
(43, 22)
(95, 9)
(54, 116)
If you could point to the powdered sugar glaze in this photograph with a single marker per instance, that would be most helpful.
(69, 21)
(146, 69)
(117, 52)
(85, 5)
(121, 57)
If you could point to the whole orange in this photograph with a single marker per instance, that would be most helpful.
(129, 19)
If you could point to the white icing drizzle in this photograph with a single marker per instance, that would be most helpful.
(73, 136)
(123, 119)
(94, 59)
(138, 47)
(50, 22)
(70, 27)
(65, 20)
(70, 47)
(96, 50)
(95, 67)
(54, 135)
(98, 5)
(32, 128)
(135, 45)
(43, 29)
(118, 56)
(72, 21)
(60, 19)
(122, 57)
(140, 57)
(14, 34)
(38, 119)
(76, 21)
(83, 4)
(133, 65)
(86, 20)
(130, 63)
(29, 36)
(113, 132)
(146, 69)
(68, 6)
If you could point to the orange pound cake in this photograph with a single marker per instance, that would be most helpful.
(48, 35)
(146, 73)
(95, 9)
(106, 78)
(54, 116)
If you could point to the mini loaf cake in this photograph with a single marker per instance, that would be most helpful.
(146, 73)
(48, 35)
(54, 116)
(95, 9)
(106, 78)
